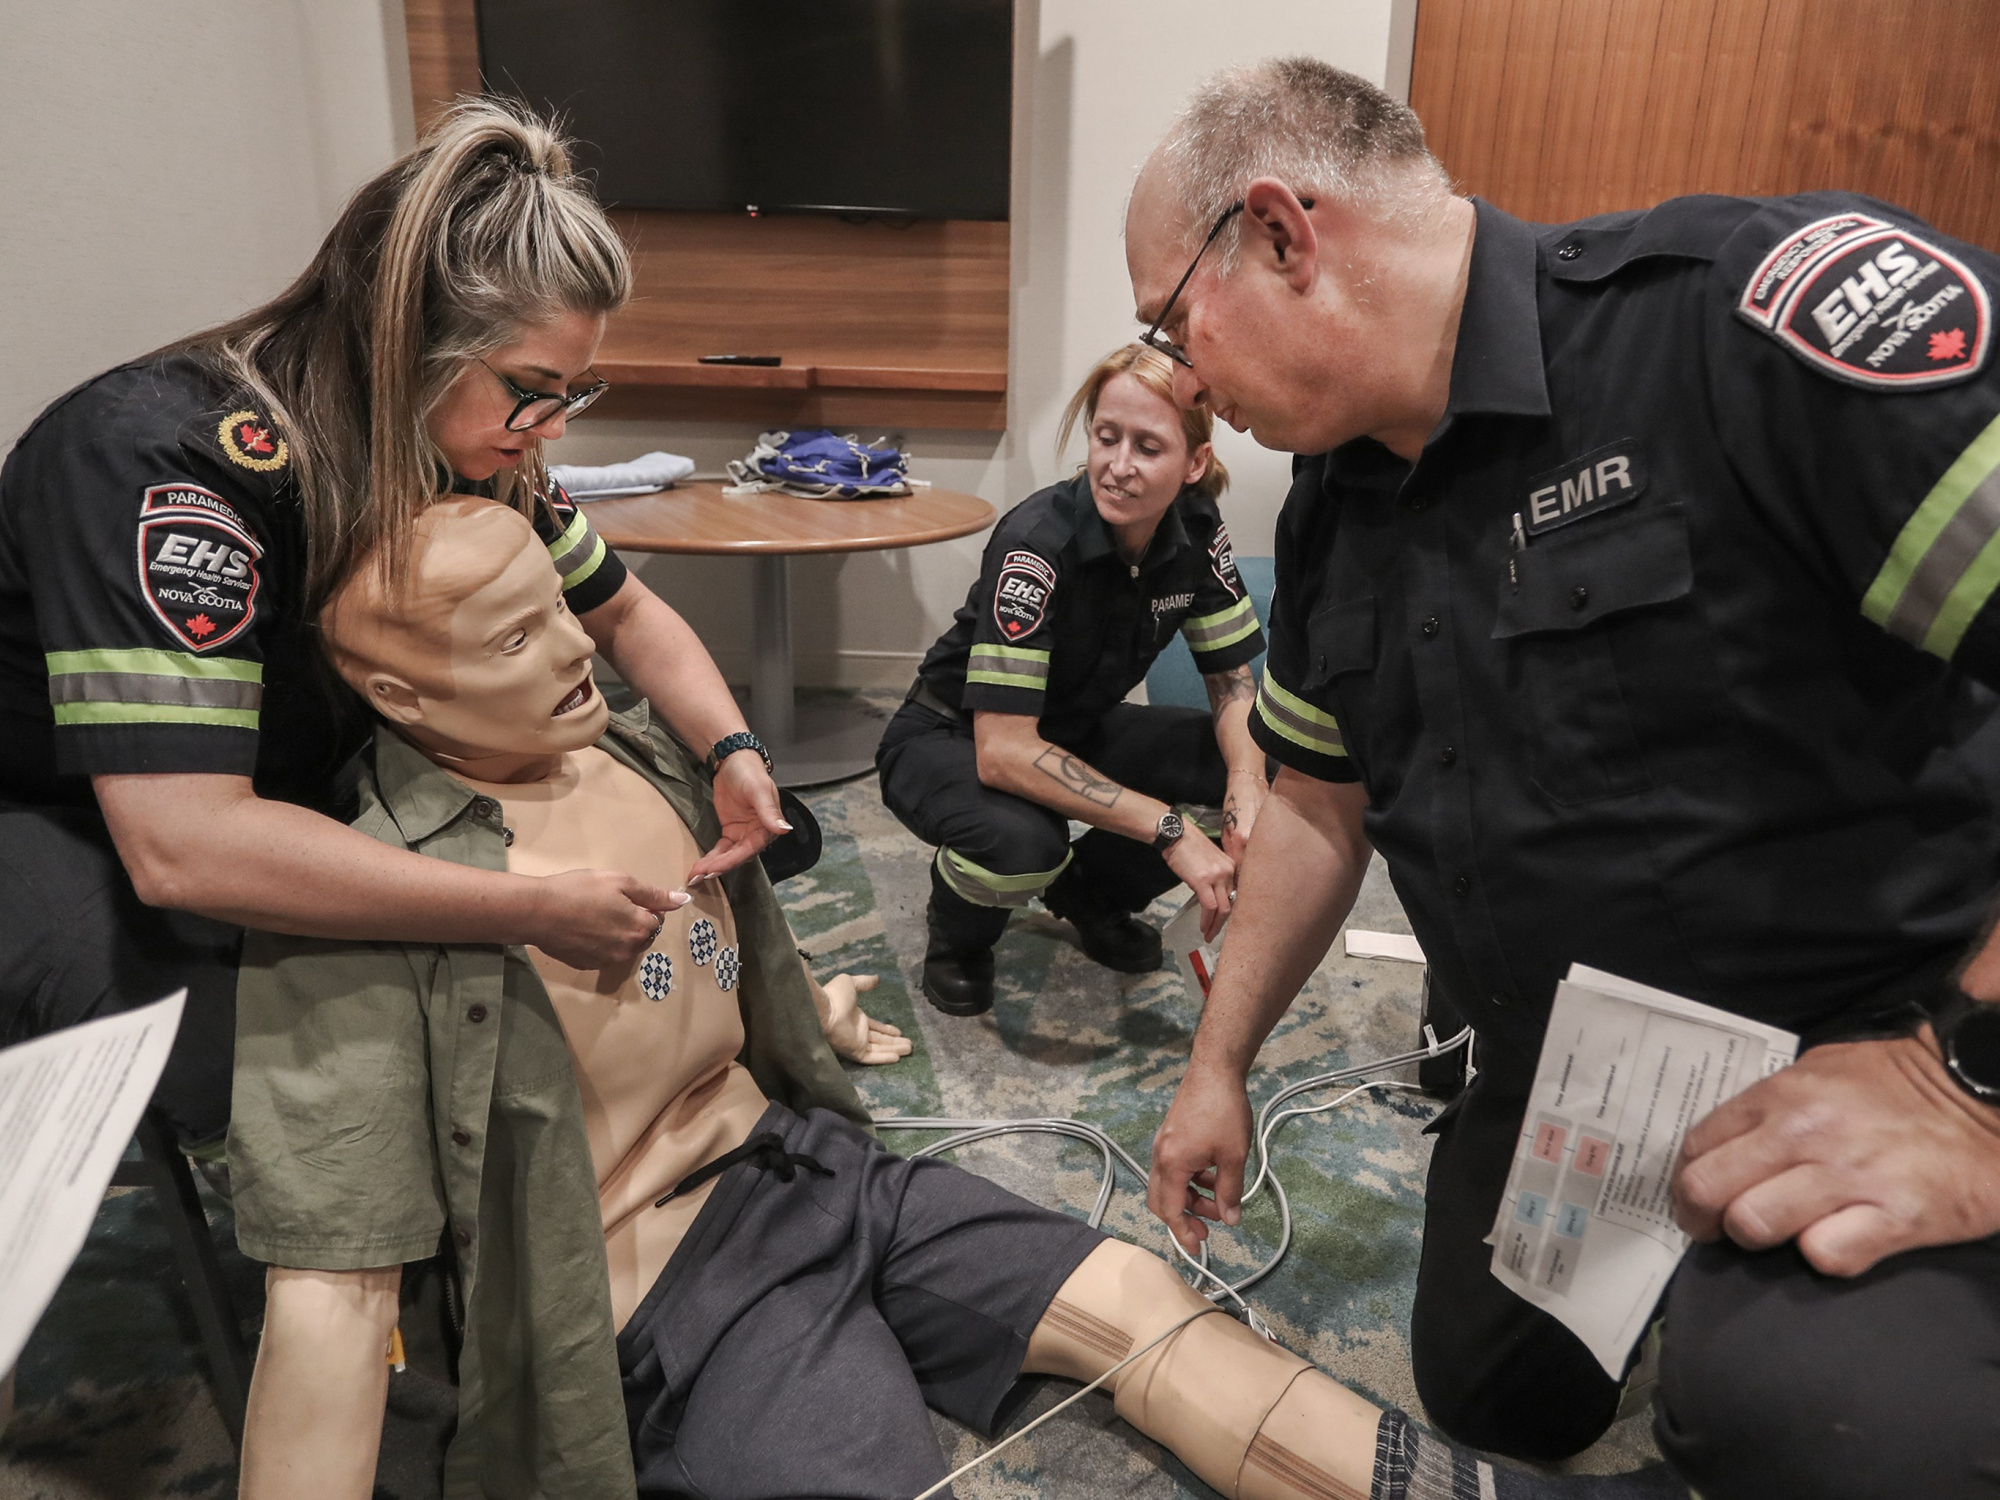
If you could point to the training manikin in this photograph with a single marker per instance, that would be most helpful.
(780, 1324)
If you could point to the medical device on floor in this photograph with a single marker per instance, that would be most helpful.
(1270, 1118)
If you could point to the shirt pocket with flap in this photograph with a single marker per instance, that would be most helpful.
(1613, 658)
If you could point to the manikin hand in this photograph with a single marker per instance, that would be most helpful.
(1209, 873)
(746, 804)
(599, 919)
(1857, 1150)
(1245, 798)
(1202, 1144)
(850, 1031)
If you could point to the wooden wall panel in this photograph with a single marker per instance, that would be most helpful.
(1555, 109)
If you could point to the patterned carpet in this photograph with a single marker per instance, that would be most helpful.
(112, 1400)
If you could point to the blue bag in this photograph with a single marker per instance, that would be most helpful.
(821, 466)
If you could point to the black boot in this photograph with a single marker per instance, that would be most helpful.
(1113, 937)
(958, 959)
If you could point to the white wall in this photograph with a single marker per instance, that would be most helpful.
(1096, 82)
(163, 166)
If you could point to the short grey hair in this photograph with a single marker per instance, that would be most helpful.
(1321, 131)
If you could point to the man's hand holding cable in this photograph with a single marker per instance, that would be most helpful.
(1199, 1152)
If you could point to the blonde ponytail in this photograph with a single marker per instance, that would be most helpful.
(446, 255)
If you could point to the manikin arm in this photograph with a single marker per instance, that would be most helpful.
(850, 1031)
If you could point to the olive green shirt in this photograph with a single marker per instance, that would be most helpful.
(387, 1092)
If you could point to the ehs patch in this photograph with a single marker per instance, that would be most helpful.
(1768, 284)
(252, 441)
(701, 941)
(1880, 308)
(199, 577)
(1602, 479)
(189, 497)
(1222, 558)
(1021, 598)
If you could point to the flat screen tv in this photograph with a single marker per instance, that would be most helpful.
(864, 107)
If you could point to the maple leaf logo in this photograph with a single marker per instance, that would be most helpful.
(1948, 345)
(254, 438)
(201, 627)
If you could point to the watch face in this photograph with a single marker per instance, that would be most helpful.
(1171, 826)
(1975, 1047)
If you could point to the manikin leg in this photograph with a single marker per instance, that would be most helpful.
(1255, 1422)
(314, 1424)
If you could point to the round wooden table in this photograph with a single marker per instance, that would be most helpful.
(810, 743)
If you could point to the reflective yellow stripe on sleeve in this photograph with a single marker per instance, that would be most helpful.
(1223, 628)
(1290, 716)
(1945, 563)
(145, 686)
(1009, 666)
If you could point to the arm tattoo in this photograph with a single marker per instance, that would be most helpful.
(1225, 688)
(1062, 767)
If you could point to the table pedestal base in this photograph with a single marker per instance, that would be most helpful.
(829, 742)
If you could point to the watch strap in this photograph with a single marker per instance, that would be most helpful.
(729, 744)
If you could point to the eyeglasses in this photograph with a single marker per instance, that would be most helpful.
(1152, 337)
(533, 408)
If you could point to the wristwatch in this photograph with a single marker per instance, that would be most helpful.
(1968, 1033)
(1169, 832)
(729, 744)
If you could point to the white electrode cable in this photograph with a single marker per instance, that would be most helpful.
(1269, 1120)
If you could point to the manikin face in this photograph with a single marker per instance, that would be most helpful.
(470, 423)
(482, 661)
(1138, 458)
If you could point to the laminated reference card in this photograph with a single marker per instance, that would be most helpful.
(69, 1103)
(1586, 1228)
(1195, 959)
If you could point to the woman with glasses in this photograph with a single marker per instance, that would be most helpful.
(1018, 724)
(169, 750)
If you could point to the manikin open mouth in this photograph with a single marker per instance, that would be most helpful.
(575, 700)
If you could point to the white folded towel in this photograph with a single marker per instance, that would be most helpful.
(641, 476)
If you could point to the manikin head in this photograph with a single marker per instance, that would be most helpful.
(473, 655)
(1315, 314)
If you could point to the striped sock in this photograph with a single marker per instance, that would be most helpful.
(1412, 1465)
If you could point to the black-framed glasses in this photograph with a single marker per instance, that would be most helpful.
(1152, 337)
(533, 408)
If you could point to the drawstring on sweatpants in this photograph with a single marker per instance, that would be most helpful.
(765, 1151)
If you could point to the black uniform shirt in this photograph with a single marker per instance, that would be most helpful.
(1061, 627)
(152, 566)
(1667, 655)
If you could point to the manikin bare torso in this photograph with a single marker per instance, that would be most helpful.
(655, 1044)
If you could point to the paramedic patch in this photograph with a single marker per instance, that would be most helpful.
(199, 577)
(1021, 597)
(189, 497)
(1602, 479)
(1882, 309)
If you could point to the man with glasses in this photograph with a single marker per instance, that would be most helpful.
(1635, 597)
